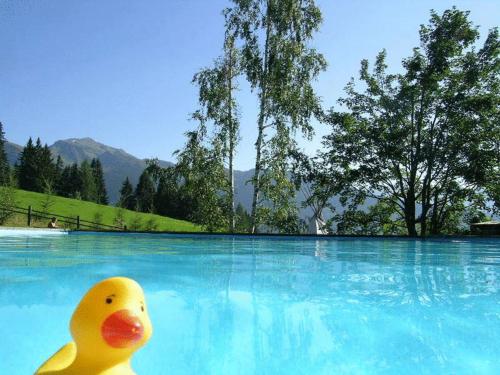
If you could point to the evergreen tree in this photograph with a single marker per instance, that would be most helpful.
(75, 182)
(65, 185)
(46, 169)
(36, 170)
(89, 188)
(167, 197)
(27, 167)
(58, 171)
(101, 193)
(4, 164)
(145, 193)
(127, 199)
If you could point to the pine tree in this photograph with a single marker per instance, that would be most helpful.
(27, 167)
(36, 170)
(127, 199)
(89, 189)
(75, 182)
(46, 169)
(65, 184)
(58, 170)
(101, 193)
(167, 197)
(4, 164)
(145, 193)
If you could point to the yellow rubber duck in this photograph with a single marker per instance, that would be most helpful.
(108, 326)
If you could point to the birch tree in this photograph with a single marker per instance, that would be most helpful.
(218, 106)
(279, 63)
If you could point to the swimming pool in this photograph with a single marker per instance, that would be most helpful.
(248, 305)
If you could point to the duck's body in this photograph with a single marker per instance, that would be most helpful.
(108, 326)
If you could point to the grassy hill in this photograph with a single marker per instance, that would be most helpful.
(93, 212)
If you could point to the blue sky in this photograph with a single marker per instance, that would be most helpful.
(120, 71)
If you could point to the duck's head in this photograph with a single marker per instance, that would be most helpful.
(111, 321)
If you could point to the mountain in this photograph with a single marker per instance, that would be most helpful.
(12, 150)
(118, 164)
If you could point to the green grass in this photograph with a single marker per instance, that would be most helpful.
(93, 212)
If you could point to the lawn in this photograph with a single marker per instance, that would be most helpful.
(89, 211)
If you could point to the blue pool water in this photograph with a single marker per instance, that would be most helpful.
(234, 305)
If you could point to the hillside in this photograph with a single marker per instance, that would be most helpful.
(118, 164)
(92, 211)
(12, 150)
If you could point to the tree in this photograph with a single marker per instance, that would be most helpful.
(204, 188)
(75, 182)
(46, 169)
(36, 169)
(318, 184)
(428, 137)
(216, 98)
(89, 188)
(101, 193)
(65, 187)
(58, 175)
(4, 164)
(127, 199)
(243, 220)
(168, 200)
(280, 65)
(145, 193)
(376, 220)
(27, 167)
(7, 203)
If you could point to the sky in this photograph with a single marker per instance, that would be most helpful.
(120, 71)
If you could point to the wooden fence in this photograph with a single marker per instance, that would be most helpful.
(75, 221)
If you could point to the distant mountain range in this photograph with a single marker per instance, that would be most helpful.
(118, 164)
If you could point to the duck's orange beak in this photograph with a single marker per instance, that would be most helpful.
(122, 329)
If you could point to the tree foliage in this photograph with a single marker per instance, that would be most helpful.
(127, 199)
(35, 169)
(145, 193)
(426, 141)
(218, 106)
(4, 164)
(101, 196)
(204, 186)
(279, 65)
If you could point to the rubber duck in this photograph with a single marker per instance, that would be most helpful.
(110, 323)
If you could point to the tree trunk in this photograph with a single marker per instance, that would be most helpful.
(256, 176)
(410, 215)
(260, 125)
(232, 137)
(426, 192)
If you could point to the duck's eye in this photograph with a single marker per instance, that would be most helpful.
(142, 308)
(109, 300)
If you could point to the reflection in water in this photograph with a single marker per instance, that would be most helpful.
(265, 306)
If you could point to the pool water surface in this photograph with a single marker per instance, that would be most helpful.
(265, 305)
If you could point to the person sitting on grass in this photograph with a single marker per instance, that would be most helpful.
(53, 223)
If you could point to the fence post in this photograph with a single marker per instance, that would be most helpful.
(29, 216)
(78, 222)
